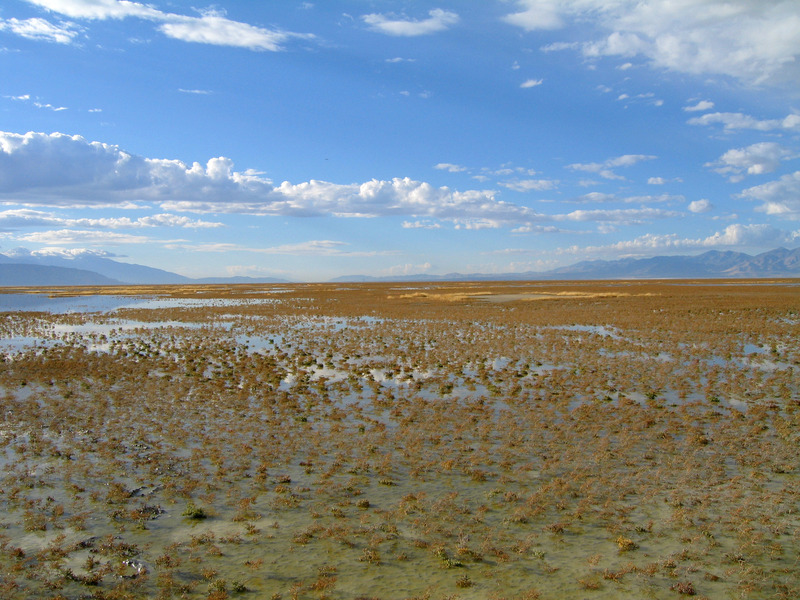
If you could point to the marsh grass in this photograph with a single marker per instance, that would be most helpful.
(599, 439)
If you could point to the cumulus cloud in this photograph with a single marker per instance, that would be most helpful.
(701, 206)
(439, 20)
(211, 27)
(531, 83)
(63, 170)
(750, 40)
(780, 197)
(60, 169)
(41, 30)
(732, 121)
(604, 169)
(755, 159)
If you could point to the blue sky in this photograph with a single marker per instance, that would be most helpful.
(309, 140)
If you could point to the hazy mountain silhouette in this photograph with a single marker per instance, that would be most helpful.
(22, 268)
(22, 275)
(36, 270)
(712, 264)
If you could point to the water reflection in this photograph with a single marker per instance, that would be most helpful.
(67, 304)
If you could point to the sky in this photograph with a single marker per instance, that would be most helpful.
(311, 140)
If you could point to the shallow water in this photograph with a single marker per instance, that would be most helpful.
(388, 457)
(67, 304)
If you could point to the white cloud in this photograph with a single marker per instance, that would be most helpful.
(531, 83)
(62, 170)
(450, 167)
(732, 121)
(530, 185)
(604, 168)
(595, 197)
(749, 235)
(701, 206)
(656, 181)
(700, 106)
(439, 20)
(780, 197)
(99, 9)
(49, 106)
(477, 224)
(626, 216)
(75, 236)
(648, 199)
(211, 27)
(41, 30)
(68, 253)
(36, 103)
(25, 217)
(755, 159)
(421, 225)
(600, 198)
(537, 14)
(537, 229)
(751, 40)
(735, 236)
(559, 46)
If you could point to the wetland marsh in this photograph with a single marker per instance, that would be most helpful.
(498, 440)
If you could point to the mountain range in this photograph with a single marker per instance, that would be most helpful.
(712, 264)
(22, 268)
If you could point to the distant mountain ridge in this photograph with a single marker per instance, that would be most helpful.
(34, 270)
(25, 269)
(714, 264)
(26, 275)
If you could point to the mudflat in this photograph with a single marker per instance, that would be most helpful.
(464, 440)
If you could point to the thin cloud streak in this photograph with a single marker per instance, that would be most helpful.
(211, 27)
